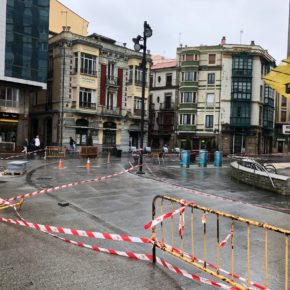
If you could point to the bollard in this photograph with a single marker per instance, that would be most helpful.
(202, 159)
(218, 158)
(185, 158)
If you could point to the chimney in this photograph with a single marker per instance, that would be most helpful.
(223, 41)
(252, 42)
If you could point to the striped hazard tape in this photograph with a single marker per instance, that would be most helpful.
(75, 232)
(21, 155)
(131, 255)
(162, 218)
(59, 187)
(195, 259)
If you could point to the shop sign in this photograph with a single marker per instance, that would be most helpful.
(11, 116)
(286, 129)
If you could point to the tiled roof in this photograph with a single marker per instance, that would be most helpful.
(164, 64)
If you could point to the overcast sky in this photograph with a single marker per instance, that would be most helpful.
(190, 22)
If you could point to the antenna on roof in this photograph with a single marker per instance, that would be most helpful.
(179, 39)
(241, 35)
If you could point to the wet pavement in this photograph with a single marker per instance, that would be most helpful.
(121, 204)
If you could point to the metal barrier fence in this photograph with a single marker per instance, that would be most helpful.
(247, 248)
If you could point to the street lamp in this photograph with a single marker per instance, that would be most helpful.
(147, 32)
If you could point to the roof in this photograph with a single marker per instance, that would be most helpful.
(164, 64)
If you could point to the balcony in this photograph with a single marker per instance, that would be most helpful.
(137, 113)
(189, 84)
(240, 122)
(88, 71)
(269, 125)
(112, 81)
(186, 128)
(89, 106)
(189, 63)
(165, 128)
(9, 103)
(242, 72)
(166, 107)
(111, 111)
(269, 102)
(187, 106)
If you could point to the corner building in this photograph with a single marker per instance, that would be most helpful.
(94, 88)
(223, 102)
(23, 66)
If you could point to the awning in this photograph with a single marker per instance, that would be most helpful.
(9, 120)
(278, 77)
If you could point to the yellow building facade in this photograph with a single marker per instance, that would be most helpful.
(94, 88)
(61, 16)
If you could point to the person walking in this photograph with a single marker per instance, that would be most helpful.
(37, 143)
(25, 146)
(72, 144)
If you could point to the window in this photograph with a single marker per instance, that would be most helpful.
(111, 71)
(283, 101)
(242, 62)
(241, 89)
(87, 98)
(159, 79)
(188, 97)
(211, 78)
(137, 103)
(189, 76)
(130, 74)
(167, 101)
(138, 75)
(9, 97)
(209, 121)
(210, 100)
(283, 116)
(186, 119)
(211, 59)
(168, 79)
(88, 64)
(241, 111)
(189, 57)
(110, 101)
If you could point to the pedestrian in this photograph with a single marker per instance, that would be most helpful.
(32, 144)
(37, 143)
(25, 146)
(72, 144)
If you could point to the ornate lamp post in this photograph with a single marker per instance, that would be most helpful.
(147, 32)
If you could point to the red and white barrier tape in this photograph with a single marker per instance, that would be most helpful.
(21, 155)
(192, 276)
(162, 218)
(207, 194)
(225, 241)
(59, 187)
(144, 257)
(76, 232)
(195, 259)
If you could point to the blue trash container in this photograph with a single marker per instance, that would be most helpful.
(218, 158)
(185, 158)
(202, 159)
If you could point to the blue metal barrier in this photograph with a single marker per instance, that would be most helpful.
(218, 158)
(185, 158)
(202, 160)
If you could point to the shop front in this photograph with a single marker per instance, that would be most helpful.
(8, 131)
